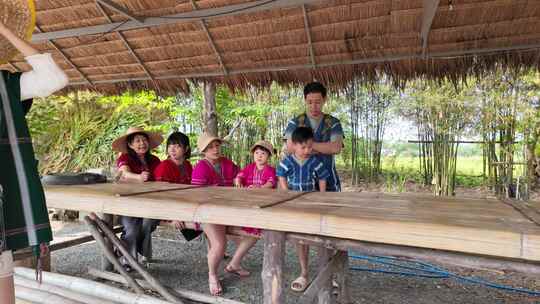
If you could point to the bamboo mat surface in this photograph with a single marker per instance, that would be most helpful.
(478, 226)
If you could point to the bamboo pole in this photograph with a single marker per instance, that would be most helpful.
(187, 294)
(109, 254)
(90, 288)
(39, 296)
(147, 276)
(63, 292)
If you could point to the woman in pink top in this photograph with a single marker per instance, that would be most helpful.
(216, 170)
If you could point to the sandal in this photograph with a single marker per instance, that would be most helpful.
(300, 284)
(215, 287)
(240, 272)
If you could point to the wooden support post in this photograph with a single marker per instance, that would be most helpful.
(210, 110)
(343, 267)
(323, 259)
(272, 272)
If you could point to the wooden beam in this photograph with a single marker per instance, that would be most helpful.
(211, 40)
(66, 58)
(126, 44)
(428, 13)
(308, 34)
(415, 253)
(228, 10)
(23, 254)
(434, 56)
(119, 9)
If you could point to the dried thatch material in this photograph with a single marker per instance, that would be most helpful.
(349, 38)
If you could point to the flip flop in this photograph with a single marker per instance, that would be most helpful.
(300, 284)
(240, 272)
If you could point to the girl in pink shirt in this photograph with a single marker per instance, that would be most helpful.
(258, 174)
(216, 170)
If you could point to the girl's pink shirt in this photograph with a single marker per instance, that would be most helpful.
(251, 176)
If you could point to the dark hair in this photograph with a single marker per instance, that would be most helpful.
(132, 154)
(263, 149)
(301, 135)
(314, 87)
(179, 138)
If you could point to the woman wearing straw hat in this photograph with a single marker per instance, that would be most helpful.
(137, 164)
(23, 214)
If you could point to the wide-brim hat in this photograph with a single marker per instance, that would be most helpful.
(205, 140)
(120, 144)
(265, 144)
(20, 17)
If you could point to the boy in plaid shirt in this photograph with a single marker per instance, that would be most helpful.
(305, 172)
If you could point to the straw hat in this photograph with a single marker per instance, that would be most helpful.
(265, 144)
(120, 144)
(205, 140)
(20, 17)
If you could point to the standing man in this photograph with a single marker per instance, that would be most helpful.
(24, 218)
(328, 141)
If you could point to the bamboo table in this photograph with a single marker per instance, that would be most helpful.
(466, 232)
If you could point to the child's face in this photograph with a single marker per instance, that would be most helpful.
(176, 151)
(260, 156)
(139, 144)
(213, 151)
(303, 150)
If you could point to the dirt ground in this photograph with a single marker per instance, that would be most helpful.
(182, 264)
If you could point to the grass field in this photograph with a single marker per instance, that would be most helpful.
(397, 170)
(470, 166)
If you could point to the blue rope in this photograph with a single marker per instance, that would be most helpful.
(425, 270)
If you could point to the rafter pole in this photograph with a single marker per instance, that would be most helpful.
(117, 8)
(429, 11)
(128, 47)
(438, 55)
(229, 10)
(66, 58)
(211, 40)
(308, 34)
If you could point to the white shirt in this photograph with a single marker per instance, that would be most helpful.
(44, 79)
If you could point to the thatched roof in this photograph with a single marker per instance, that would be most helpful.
(113, 45)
